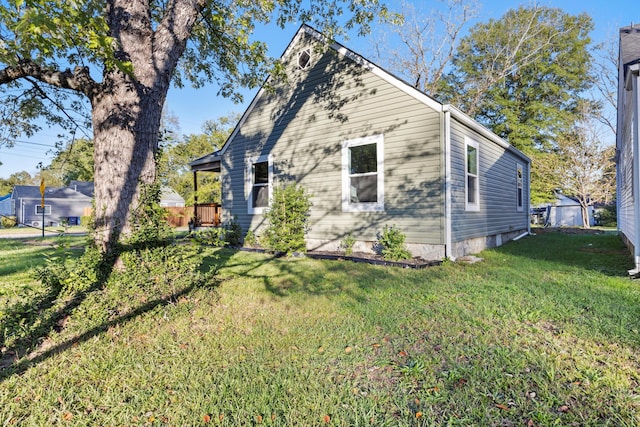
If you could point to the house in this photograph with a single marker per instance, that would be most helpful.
(564, 212)
(170, 199)
(628, 142)
(372, 151)
(61, 205)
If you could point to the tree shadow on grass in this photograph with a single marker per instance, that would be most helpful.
(24, 364)
(45, 315)
(285, 276)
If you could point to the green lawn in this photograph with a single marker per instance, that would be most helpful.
(545, 331)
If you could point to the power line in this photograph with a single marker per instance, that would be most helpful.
(25, 155)
(31, 143)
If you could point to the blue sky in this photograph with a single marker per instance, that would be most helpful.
(194, 107)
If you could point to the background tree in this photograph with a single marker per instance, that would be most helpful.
(586, 168)
(17, 178)
(173, 163)
(524, 76)
(605, 86)
(421, 44)
(74, 162)
(120, 56)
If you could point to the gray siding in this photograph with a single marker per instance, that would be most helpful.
(61, 209)
(626, 217)
(498, 188)
(303, 125)
(6, 207)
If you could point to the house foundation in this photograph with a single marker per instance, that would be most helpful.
(427, 252)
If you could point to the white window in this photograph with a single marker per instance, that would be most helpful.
(47, 209)
(363, 174)
(519, 187)
(304, 59)
(259, 176)
(471, 186)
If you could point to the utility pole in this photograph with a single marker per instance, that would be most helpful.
(42, 188)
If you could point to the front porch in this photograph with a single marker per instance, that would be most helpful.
(205, 214)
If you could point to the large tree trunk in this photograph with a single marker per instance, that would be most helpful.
(128, 107)
(126, 121)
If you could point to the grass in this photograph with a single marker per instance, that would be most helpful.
(545, 331)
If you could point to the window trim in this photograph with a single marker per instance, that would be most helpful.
(306, 51)
(347, 205)
(47, 210)
(249, 184)
(519, 187)
(471, 207)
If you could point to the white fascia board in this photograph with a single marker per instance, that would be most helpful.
(384, 75)
(620, 105)
(634, 70)
(389, 78)
(468, 121)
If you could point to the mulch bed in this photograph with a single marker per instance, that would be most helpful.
(415, 263)
(375, 259)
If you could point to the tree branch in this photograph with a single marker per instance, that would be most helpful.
(79, 80)
(170, 38)
(43, 94)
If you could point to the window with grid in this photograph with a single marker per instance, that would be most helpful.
(472, 187)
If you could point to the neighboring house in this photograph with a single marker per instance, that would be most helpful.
(170, 199)
(372, 151)
(168, 196)
(60, 205)
(628, 142)
(564, 212)
(6, 205)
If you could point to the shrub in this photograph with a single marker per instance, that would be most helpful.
(151, 275)
(229, 234)
(250, 239)
(607, 216)
(347, 244)
(8, 221)
(287, 220)
(213, 236)
(392, 242)
(233, 232)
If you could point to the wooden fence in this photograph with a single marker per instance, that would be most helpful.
(179, 216)
(208, 215)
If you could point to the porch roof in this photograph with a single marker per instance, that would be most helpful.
(208, 163)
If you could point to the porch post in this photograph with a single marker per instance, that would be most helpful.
(195, 198)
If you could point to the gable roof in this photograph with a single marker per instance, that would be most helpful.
(168, 194)
(211, 161)
(33, 192)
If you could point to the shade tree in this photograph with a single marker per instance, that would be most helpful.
(111, 63)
